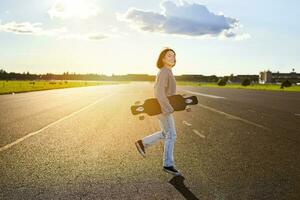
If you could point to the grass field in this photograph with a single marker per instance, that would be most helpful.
(273, 87)
(7, 87)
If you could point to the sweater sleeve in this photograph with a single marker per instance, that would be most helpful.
(162, 84)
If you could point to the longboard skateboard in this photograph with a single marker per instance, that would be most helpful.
(152, 107)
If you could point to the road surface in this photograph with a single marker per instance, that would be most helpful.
(78, 143)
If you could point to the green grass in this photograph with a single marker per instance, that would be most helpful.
(7, 87)
(273, 87)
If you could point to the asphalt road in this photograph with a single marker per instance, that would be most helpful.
(78, 143)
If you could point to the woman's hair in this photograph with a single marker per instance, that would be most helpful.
(162, 54)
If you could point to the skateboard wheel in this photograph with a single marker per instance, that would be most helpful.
(142, 117)
(188, 110)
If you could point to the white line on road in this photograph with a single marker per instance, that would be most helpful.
(198, 133)
(233, 117)
(186, 123)
(49, 125)
(206, 95)
(226, 114)
(297, 114)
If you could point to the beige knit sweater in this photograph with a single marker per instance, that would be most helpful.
(165, 85)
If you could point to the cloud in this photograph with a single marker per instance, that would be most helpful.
(96, 36)
(89, 36)
(66, 9)
(188, 19)
(27, 28)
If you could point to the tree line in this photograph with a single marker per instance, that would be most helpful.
(129, 77)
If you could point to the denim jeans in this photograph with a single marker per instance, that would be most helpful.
(168, 134)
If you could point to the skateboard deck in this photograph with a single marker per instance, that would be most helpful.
(152, 107)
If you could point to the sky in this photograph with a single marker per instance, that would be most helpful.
(210, 37)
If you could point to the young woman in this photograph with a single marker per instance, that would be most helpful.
(165, 85)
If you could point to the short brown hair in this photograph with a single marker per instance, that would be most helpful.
(162, 54)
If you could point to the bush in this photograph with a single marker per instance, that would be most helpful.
(246, 82)
(286, 83)
(221, 82)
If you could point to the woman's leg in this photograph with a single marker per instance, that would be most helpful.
(168, 127)
(153, 138)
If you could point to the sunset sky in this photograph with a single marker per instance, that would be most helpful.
(120, 37)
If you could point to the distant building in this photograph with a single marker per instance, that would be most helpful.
(265, 77)
(270, 77)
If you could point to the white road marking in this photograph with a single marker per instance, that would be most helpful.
(226, 114)
(202, 94)
(198, 133)
(51, 124)
(233, 117)
(297, 114)
(186, 123)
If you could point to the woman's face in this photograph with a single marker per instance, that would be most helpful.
(169, 59)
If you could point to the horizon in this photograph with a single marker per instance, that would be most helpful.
(209, 37)
(70, 73)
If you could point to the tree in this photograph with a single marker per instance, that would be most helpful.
(222, 82)
(286, 83)
(2, 71)
(231, 77)
(246, 82)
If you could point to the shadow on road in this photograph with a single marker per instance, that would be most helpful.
(177, 182)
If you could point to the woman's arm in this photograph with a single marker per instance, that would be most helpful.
(161, 86)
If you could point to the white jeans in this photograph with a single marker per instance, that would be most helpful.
(168, 133)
